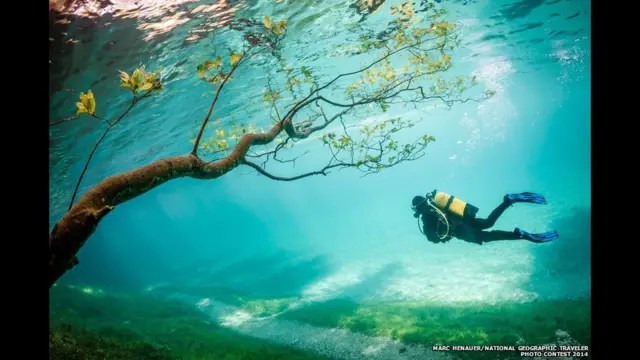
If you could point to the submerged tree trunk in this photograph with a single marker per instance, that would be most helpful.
(374, 148)
(77, 225)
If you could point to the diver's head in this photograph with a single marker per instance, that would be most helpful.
(418, 205)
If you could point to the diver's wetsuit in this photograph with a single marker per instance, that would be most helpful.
(470, 230)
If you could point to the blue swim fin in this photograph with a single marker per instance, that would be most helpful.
(525, 197)
(538, 238)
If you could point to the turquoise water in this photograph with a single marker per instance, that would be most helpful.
(342, 235)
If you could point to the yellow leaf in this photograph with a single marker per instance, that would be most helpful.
(124, 77)
(282, 25)
(136, 77)
(222, 145)
(220, 133)
(81, 108)
(88, 103)
(267, 22)
(146, 86)
(92, 103)
(208, 65)
(235, 58)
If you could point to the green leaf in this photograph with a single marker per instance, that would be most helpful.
(306, 72)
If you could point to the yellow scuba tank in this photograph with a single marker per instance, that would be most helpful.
(452, 205)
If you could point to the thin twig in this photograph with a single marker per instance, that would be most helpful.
(111, 125)
(63, 120)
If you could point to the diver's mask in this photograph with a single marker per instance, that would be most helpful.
(419, 207)
(415, 208)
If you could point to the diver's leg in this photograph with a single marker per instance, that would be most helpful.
(496, 235)
(481, 224)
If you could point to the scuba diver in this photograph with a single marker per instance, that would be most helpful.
(440, 210)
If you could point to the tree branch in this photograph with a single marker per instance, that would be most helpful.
(95, 147)
(213, 103)
(101, 118)
(303, 102)
(377, 149)
(322, 171)
(63, 120)
(70, 233)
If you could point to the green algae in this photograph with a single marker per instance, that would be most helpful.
(104, 325)
(428, 324)
(479, 324)
(268, 307)
(532, 323)
(95, 324)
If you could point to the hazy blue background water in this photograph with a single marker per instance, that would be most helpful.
(319, 236)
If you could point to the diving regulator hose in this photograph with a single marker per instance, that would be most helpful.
(444, 217)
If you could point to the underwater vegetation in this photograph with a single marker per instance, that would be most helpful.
(532, 323)
(299, 103)
(90, 324)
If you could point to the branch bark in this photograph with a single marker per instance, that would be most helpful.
(95, 147)
(57, 122)
(213, 104)
(82, 218)
(79, 223)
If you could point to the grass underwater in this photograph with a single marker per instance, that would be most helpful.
(87, 323)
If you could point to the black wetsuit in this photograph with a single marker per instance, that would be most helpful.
(469, 230)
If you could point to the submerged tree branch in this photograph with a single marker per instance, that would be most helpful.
(57, 122)
(322, 171)
(369, 151)
(213, 103)
(70, 233)
(104, 134)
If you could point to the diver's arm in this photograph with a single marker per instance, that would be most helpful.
(429, 226)
(432, 236)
